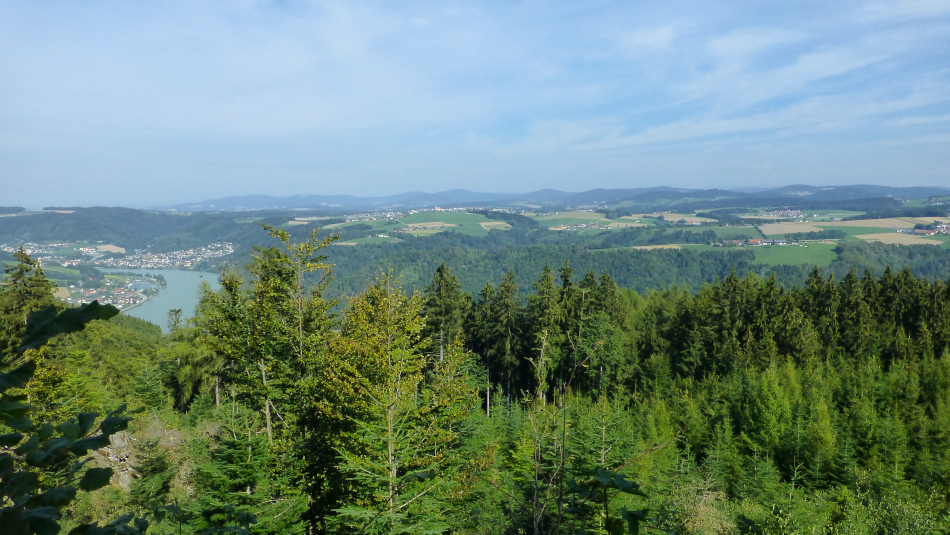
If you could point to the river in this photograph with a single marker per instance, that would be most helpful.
(181, 292)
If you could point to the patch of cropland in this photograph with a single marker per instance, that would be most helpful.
(862, 198)
(430, 222)
(771, 231)
(648, 267)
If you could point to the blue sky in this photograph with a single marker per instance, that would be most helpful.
(144, 103)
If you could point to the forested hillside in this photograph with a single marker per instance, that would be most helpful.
(478, 260)
(551, 401)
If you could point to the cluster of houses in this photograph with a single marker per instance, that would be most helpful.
(175, 259)
(582, 226)
(784, 213)
(374, 216)
(939, 228)
(757, 242)
(423, 226)
(98, 255)
(34, 249)
(438, 209)
(119, 296)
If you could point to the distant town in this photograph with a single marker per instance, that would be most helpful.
(72, 266)
(68, 254)
(86, 270)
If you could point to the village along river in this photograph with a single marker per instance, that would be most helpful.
(182, 291)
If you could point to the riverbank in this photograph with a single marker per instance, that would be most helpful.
(182, 292)
(134, 305)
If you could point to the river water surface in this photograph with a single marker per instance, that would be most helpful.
(182, 292)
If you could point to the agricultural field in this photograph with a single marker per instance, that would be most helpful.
(674, 217)
(700, 247)
(727, 233)
(425, 223)
(924, 220)
(626, 222)
(787, 227)
(59, 275)
(370, 241)
(819, 254)
(890, 223)
(570, 219)
(829, 214)
(854, 232)
(461, 222)
(926, 202)
(899, 239)
(381, 226)
(423, 231)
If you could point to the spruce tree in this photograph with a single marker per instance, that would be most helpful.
(446, 308)
(545, 319)
(405, 458)
(273, 338)
(25, 290)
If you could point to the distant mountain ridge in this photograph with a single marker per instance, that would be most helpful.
(553, 198)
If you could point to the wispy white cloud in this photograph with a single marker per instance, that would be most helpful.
(911, 121)
(353, 89)
(904, 9)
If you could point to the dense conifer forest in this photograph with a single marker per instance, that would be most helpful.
(556, 403)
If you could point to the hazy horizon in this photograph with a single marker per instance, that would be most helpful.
(146, 104)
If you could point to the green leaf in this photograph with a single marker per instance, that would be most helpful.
(124, 519)
(19, 484)
(140, 524)
(86, 420)
(94, 442)
(45, 324)
(43, 520)
(77, 466)
(91, 529)
(116, 527)
(51, 448)
(6, 462)
(114, 424)
(28, 446)
(18, 377)
(634, 518)
(10, 408)
(69, 429)
(95, 478)
(58, 496)
(23, 423)
(10, 439)
(45, 431)
(603, 476)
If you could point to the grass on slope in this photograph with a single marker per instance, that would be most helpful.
(465, 223)
(856, 231)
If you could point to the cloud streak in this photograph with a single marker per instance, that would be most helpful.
(101, 100)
